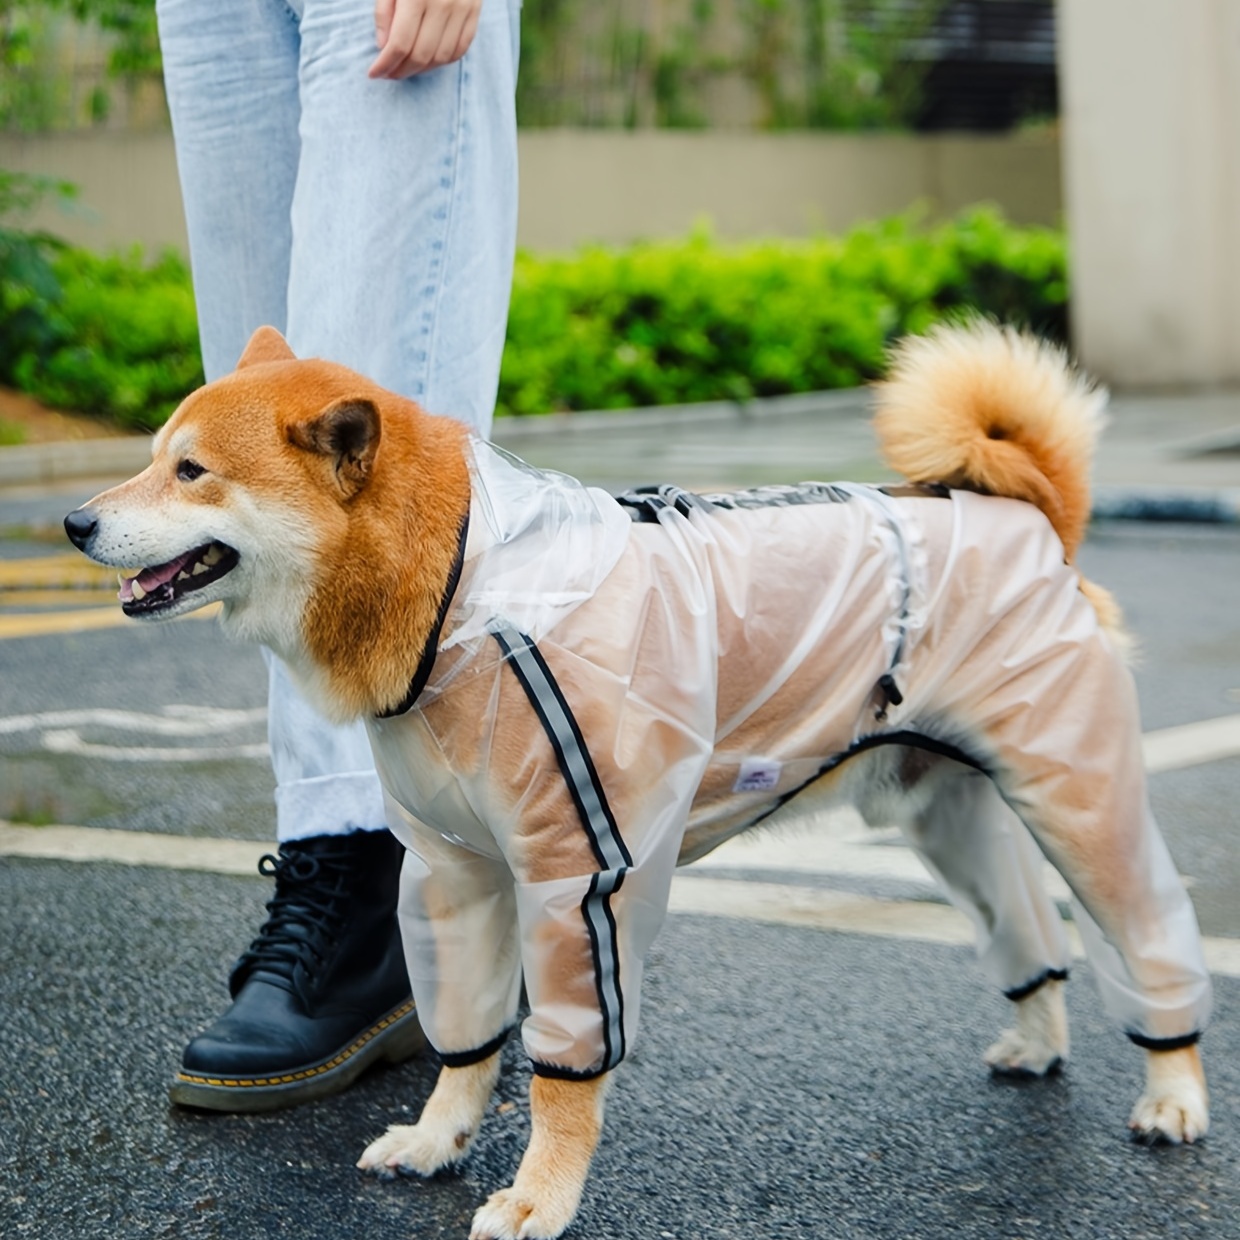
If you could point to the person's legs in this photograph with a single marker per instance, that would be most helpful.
(403, 234)
(374, 223)
(230, 71)
(404, 213)
(325, 974)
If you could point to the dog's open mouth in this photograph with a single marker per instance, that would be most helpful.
(153, 589)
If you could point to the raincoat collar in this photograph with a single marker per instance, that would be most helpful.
(422, 673)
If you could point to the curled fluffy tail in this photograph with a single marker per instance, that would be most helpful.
(988, 408)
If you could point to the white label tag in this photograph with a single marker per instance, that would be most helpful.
(757, 775)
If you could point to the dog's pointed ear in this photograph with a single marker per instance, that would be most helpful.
(266, 345)
(348, 434)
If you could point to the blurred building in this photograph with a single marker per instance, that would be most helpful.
(972, 65)
(800, 99)
(645, 118)
(989, 65)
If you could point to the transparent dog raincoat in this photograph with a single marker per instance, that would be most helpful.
(613, 695)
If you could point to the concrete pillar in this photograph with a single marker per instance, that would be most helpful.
(1151, 99)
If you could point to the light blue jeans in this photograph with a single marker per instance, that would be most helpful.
(373, 222)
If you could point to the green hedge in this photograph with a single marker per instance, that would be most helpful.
(671, 322)
(656, 323)
(123, 338)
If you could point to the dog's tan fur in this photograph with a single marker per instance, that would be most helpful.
(981, 408)
(567, 1121)
(370, 494)
(383, 487)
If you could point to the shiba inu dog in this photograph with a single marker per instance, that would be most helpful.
(569, 693)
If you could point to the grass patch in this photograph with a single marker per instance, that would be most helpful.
(25, 813)
(11, 433)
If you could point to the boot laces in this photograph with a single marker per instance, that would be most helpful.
(304, 917)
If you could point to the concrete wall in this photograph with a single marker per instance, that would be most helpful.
(1151, 94)
(592, 185)
(616, 185)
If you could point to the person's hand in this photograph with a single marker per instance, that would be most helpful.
(416, 35)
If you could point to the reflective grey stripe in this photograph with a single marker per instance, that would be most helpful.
(596, 908)
(608, 846)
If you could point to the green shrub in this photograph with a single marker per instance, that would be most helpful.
(655, 323)
(672, 322)
(124, 339)
(28, 286)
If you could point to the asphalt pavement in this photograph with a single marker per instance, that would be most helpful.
(813, 1021)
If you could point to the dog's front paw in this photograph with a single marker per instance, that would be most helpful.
(446, 1129)
(1038, 1044)
(512, 1214)
(1175, 1107)
(419, 1149)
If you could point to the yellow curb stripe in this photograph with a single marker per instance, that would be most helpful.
(47, 623)
(71, 596)
(44, 624)
(54, 570)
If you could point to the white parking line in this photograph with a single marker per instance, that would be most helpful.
(1168, 749)
(1172, 749)
(846, 913)
(66, 740)
(169, 852)
(838, 842)
(835, 843)
(775, 903)
(60, 732)
(174, 721)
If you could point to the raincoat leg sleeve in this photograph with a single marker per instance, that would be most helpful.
(585, 941)
(1067, 757)
(991, 870)
(458, 921)
(593, 856)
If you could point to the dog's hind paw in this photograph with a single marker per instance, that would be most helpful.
(1038, 1045)
(416, 1149)
(1175, 1107)
(512, 1214)
(1014, 1054)
(1173, 1121)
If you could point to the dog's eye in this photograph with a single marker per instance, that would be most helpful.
(188, 470)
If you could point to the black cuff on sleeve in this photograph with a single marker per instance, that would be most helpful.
(1164, 1044)
(463, 1059)
(1023, 992)
(557, 1073)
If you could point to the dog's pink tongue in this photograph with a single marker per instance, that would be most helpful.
(152, 578)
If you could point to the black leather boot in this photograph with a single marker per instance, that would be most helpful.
(322, 992)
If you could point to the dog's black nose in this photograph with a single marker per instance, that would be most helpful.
(80, 524)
